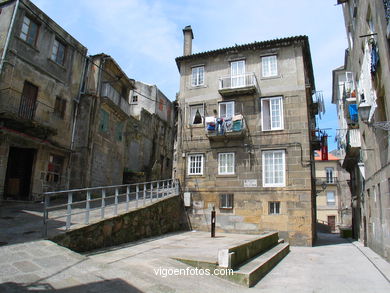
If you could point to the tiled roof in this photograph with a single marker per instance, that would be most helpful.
(255, 45)
(330, 157)
(275, 43)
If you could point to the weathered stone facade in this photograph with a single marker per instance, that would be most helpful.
(244, 201)
(111, 146)
(40, 79)
(367, 65)
(160, 218)
(333, 195)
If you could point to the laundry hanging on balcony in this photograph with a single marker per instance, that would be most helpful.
(374, 58)
(353, 112)
(210, 123)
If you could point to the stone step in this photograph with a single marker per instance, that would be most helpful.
(255, 269)
(233, 257)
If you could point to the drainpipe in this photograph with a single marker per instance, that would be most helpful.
(8, 36)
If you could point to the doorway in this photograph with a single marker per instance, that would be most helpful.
(19, 171)
(332, 223)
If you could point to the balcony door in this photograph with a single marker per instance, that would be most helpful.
(237, 73)
(28, 101)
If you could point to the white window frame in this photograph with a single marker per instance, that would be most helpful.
(197, 76)
(223, 166)
(226, 103)
(329, 170)
(274, 207)
(270, 116)
(237, 73)
(192, 165)
(269, 66)
(190, 118)
(226, 201)
(282, 183)
(330, 202)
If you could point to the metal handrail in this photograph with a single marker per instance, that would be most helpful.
(124, 197)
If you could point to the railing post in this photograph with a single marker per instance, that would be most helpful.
(163, 193)
(69, 210)
(136, 195)
(144, 199)
(45, 214)
(103, 203)
(87, 207)
(158, 189)
(127, 197)
(151, 191)
(116, 201)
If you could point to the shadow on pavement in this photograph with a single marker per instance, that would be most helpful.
(324, 239)
(21, 222)
(114, 285)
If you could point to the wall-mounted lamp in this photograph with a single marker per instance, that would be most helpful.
(364, 114)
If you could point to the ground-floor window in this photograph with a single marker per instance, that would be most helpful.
(274, 207)
(226, 201)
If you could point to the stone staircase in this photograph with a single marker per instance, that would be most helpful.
(250, 261)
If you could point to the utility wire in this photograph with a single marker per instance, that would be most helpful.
(82, 53)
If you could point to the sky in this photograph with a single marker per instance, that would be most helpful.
(145, 36)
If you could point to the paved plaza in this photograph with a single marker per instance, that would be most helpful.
(334, 265)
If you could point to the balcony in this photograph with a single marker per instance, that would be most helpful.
(220, 129)
(244, 84)
(27, 115)
(115, 97)
(326, 180)
(353, 138)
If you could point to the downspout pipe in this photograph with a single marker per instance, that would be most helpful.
(9, 35)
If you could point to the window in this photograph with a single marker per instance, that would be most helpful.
(134, 99)
(161, 104)
(28, 101)
(197, 76)
(195, 164)
(237, 73)
(226, 109)
(54, 169)
(272, 113)
(269, 66)
(274, 168)
(225, 163)
(274, 207)
(60, 107)
(330, 198)
(196, 114)
(29, 31)
(329, 175)
(58, 52)
(119, 131)
(104, 118)
(226, 201)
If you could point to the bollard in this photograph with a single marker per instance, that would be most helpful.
(213, 222)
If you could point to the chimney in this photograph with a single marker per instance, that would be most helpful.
(188, 36)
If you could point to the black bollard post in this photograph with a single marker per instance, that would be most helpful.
(213, 222)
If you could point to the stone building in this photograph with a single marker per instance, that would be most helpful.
(349, 142)
(112, 146)
(333, 194)
(244, 146)
(41, 70)
(150, 98)
(367, 63)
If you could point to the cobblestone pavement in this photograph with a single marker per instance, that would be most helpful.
(334, 265)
